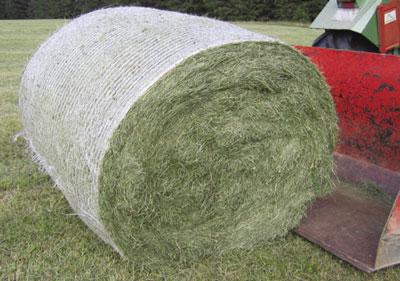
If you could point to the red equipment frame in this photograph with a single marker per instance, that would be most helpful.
(366, 90)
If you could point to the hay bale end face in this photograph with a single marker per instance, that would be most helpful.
(175, 137)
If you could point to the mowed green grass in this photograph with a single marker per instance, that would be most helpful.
(42, 239)
(294, 34)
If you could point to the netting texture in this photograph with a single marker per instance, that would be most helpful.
(82, 81)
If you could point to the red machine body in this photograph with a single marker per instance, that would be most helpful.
(366, 90)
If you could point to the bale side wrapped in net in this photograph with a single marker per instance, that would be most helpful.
(176, 137)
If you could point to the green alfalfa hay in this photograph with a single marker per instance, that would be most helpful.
(226, 151)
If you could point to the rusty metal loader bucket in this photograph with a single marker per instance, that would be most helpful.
(361, 229)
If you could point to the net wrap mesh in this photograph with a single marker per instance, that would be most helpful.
(82, 81)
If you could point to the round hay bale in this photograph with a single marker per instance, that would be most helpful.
(175, 137)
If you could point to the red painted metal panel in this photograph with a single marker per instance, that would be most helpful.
(389, 26)
(366, 90)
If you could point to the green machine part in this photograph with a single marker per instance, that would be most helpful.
(361, 19)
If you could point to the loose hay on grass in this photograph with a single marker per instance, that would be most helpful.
(224, 148)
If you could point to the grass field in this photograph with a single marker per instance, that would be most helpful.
(41, 238)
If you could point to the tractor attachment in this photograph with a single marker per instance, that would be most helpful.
(360, 25)
(360, 229)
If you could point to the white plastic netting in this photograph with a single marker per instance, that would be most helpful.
(82, 81)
